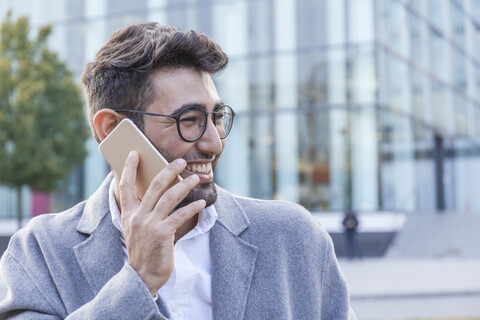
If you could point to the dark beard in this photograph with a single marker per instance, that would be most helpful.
(206, 191)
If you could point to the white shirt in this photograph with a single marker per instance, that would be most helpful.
(187, 293)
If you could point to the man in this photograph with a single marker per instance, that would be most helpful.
(350, 224)
(215, 255)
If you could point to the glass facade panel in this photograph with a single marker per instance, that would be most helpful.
(476, 126)
(313, 130)
(394, 21)
(362, 75)
(457, 30)
(311, 23)
(260, 27)
(336, 93)
(361, 22)
(398, 91)
(476, 79)
(461, 116)
(285, 25)
(230, 27)
(437, 14)
(364, 159)
(286, 129)
(439, 105)
(261, 131)
(419, 95)
(418, 35)
(397, 174)
(459, 72)
(339, 194)
(336, 22)
(438, 56)
(9, 205)
(418, 5)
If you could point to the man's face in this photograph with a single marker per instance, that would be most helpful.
(177, 89)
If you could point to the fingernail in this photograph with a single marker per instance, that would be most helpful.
(193, 178)
(180, 162)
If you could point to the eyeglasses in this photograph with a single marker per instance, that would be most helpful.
(192, 121)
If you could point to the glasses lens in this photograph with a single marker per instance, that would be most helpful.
(192, 123)
(223, 120)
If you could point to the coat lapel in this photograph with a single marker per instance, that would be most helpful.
(233, 259)
(100, 256)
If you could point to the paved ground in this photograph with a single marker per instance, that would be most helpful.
(414, 288)
(437, 236)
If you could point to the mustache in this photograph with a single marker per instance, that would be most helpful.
(196, 157)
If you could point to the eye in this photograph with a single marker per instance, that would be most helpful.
(191, 115)
(219, 116)
(193, 118)
(190, 118)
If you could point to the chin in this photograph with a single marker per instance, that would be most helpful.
(206, 191)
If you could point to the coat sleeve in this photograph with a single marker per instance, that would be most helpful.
(123, 297)
(335, 296)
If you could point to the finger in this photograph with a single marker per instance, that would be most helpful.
(161, 183)
(127, 190)
(172, 197)
(180, 216)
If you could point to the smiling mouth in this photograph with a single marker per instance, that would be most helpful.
(200, 168)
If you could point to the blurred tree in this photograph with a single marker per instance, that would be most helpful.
(42, 122)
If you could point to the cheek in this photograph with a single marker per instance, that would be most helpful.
(171, 146)
(217, 157)
(171, 149)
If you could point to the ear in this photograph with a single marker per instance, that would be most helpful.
(105, 121)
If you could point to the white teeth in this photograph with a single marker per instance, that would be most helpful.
(200, 168)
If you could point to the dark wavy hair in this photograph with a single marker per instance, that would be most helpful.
(120, 75)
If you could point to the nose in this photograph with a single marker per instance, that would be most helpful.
(210, 141)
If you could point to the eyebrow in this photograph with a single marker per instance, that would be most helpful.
(188, 105)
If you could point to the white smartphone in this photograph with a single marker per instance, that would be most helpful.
(127, 137)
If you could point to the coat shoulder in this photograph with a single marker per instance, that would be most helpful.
(54, 229)
(273, 209)
(285, 220)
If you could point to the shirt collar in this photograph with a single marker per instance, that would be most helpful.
(206, 218)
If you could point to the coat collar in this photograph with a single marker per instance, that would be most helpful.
(233, 259)
(230, 214)
(96, 208)
(100, 256)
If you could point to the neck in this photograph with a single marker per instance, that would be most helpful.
(186, 227)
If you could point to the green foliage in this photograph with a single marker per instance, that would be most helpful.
(42, 122)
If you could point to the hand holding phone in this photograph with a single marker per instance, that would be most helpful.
(150, 224)
(127, 137)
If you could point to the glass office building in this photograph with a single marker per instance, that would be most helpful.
(368, 104)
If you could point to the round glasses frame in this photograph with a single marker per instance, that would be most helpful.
(198, 108)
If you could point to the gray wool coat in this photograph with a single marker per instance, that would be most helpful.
(270, 260)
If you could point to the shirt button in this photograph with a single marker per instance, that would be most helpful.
(174, 307)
